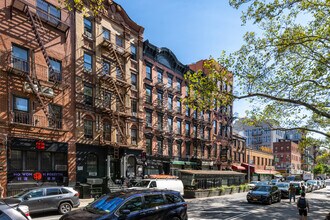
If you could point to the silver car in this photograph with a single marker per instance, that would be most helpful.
(10, 209)
(44, 199)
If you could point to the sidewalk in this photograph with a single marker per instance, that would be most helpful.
(85, 202)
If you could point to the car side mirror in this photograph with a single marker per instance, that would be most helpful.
(27, 197)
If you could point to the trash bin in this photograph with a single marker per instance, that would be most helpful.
(85, 192)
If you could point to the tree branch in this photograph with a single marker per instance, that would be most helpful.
(308, 106)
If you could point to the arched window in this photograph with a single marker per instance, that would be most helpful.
(92, 164)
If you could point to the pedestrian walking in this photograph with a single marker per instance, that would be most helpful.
(1, 191)
(292, 193)
(303, 189)
(303, 206)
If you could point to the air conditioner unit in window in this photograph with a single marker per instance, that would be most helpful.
(61, 167)
(27, 87)
(47, 91)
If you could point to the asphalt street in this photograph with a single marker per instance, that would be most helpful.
(235, 207)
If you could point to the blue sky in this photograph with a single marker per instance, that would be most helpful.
(192, 29)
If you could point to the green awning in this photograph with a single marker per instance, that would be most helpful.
(179, 162)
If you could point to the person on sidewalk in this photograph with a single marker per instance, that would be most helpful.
(292, 193)
(303, 206)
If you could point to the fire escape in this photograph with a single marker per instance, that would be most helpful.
(34, 84)
(117, 85)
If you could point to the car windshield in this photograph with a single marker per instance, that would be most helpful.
(143, 183)
(283, 185)
(295, 184)
(262, 188)
(254, 182)
(105, 204)
(262, 183)
(311, 182)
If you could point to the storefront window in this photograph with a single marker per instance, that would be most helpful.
(46, 161)
(31, 162)
(16, 160)
(60, 159)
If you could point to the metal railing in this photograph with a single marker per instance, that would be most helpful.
(19, 117)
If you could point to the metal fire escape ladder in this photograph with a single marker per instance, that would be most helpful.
(44, 52)
(118, 61)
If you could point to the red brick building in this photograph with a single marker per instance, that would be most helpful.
(176, 137)
(37, 112)
(287, 157)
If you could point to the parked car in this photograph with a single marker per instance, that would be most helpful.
(274, 182)
(170, 184)
(11, 209)
(134, 204)
(264, 194)
(284, 187)
(313, 183)
(43, 199)
(327, 183)
(319, 183)
(298, 185)
(263, 183)
(252, 184)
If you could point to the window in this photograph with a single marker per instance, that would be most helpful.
(187, 129)
(195, 114)
(178, 126)
(21, 110)
(215, 127)
(53, 191)
(209, 152)
(119, 41)
(20, 58)
(149, 118)
(106, 34)
(106, 67)
(170, 124)
(88, 128)
(107, 100)
(160, 146)
(195, 131)
(178, 85)
(187, 111)
(88, 63)
(170, 102)
(160, 98)
(119, 73)
(159, 76)
(91, 164)
(55, 119)
(208, 134)
(179, 146)
(16, 160)
(170, 82)
(187, 149)
(134, 80)
(48, 12)
(30, 162)
(149, 146)
(106, 131)
(36, 193)
(171, 199)
(148, 95)
(133, 52)
(134, 136)
(132, 205)
(134, 107)
(215, 151)
(149, 72)
(88, 28)
(88, 95)
(60, 159)
(154, 200)
(160, 122)
(55, 75)
(170, 148)
(179, 106)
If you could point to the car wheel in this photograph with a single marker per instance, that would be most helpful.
(279, 197)
(269, 202)
(64, 208)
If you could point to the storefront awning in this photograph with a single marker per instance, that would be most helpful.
(265, 172)
(238, 167)
(178, 162)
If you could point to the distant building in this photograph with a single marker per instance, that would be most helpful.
(263, 135)
(287, 157)
(237, 152)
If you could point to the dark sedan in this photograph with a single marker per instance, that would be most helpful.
(284, 187)
(134, 204)
(264, 194)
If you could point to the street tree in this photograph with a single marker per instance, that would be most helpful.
(284, 69)
(95, 6)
